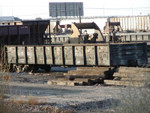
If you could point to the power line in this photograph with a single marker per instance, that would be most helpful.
(119, 8)
(33, 14)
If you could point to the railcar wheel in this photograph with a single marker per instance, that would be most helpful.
(17, 68)
(11, 68)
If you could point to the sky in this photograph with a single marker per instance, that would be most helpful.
(31, 9)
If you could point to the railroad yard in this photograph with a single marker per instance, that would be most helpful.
(49, 67)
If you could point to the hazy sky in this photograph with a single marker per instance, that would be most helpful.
(30, 9)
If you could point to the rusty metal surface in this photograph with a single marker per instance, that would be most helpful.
(21, 55)
(68, 53)
(14, 30)
(37, 30)
(126, 54)
(40, 55)
(79, 54)
(14, 34)
(90, 55)
(11, 54)
(79, 57)
(48, 51)
(58, 55)
(103, 55)
(31, 55)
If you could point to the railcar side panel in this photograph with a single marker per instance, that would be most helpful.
(48, 52)
(40, 55)
(21, 55)
(68, 53)
(79, 57)
(124, 54)
(58, 55)
(103, 55)
(90, 55)
(31, 55)
(11, 54)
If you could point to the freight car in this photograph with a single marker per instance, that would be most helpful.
(133, 23)
(21, 57)
(24, 32)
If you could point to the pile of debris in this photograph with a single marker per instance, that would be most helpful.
(130, 76)
(84, 76)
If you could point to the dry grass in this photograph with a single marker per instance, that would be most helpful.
(135, 100)
(4, 66)
(4, 80)
(33, 100)
(25, 105)
(3, 107)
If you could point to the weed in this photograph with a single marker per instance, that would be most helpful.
(134, 100)
(33, 100)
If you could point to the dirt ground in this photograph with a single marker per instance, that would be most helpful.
(81, 99)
